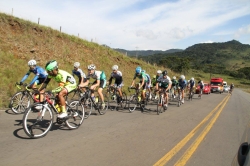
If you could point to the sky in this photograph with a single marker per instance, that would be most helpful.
(140, 24)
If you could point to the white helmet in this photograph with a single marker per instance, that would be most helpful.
(192, 78)
(77, 64)
(159, 72)
(174, 77)
(182, 77)
(32, 62)
(202, 82)
(115, 67)
(91, 67)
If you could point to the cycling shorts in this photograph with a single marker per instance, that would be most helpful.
(40, 81)
(102, 83)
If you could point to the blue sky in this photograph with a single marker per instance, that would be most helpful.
(141, 24)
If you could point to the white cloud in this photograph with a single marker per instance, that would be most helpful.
(242, 31)
(127, 24)
(208, 41)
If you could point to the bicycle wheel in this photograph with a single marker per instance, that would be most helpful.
(159, 106)
(37, 123)
(179, 101)
(132, 103)
(102, 108)
(20, 102)
(112, 100)
(121, 103)
(88, 106)
(76, 114)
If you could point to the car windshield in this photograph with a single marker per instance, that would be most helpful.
(215, 83)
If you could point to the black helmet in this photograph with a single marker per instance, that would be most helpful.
(164, 73)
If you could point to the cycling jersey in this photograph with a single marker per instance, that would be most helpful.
(153, 81)
(191, 83)
(64, 79)
(40, 73)
(80, 74)
(164, 81)
(98, 75)
(174, 82)
(182, 83)
(117, 76)
(140, 76)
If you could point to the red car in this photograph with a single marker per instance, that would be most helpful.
(206, 89)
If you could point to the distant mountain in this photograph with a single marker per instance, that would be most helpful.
(226, 57)
(134, 53)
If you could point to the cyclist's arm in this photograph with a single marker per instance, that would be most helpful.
(34, 79)
(25, 76)
(142, 83)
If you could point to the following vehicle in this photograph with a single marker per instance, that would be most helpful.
(216, 85)
(206, 89)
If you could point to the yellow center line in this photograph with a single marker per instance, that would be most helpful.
(189, 152)
(183, 142)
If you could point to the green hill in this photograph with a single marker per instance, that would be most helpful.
(228, 58)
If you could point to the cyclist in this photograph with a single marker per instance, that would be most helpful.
(40, 77)
(231, 88)
(100, 80)
(174, 86)
(158, 74)
(118, 81)
(148, 84)
(201, 84)
(191, 85)
(143, 80)
(66, 81)
(182, 85)
(79, 73)
(165, 85)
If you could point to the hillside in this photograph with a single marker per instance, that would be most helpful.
(138, 53)
(225, 57)
(22, 40)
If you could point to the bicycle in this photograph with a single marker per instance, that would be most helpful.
(200, 93)
(37, 123)
(135, 100)
(21, 100)
(161, 102)
(191, 94)
(93, 103)
(179, 98)
(115, 99)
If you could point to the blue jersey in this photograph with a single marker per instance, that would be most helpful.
(79, 73)
(182, 83)
(38, 71)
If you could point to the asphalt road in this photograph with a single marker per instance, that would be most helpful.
(203, 132)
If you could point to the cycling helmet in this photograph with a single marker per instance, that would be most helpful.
(159, 72)
(77, 64)
(144, 71)
(32, 62)
(164, 73)
(174, 77)
(115, 67)
(138, 70)
(182, 77)
(51, 65)
(91, 67)
(192, 78)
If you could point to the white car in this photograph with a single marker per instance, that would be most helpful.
(226, 88)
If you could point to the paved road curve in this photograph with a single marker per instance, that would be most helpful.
(197, 133)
